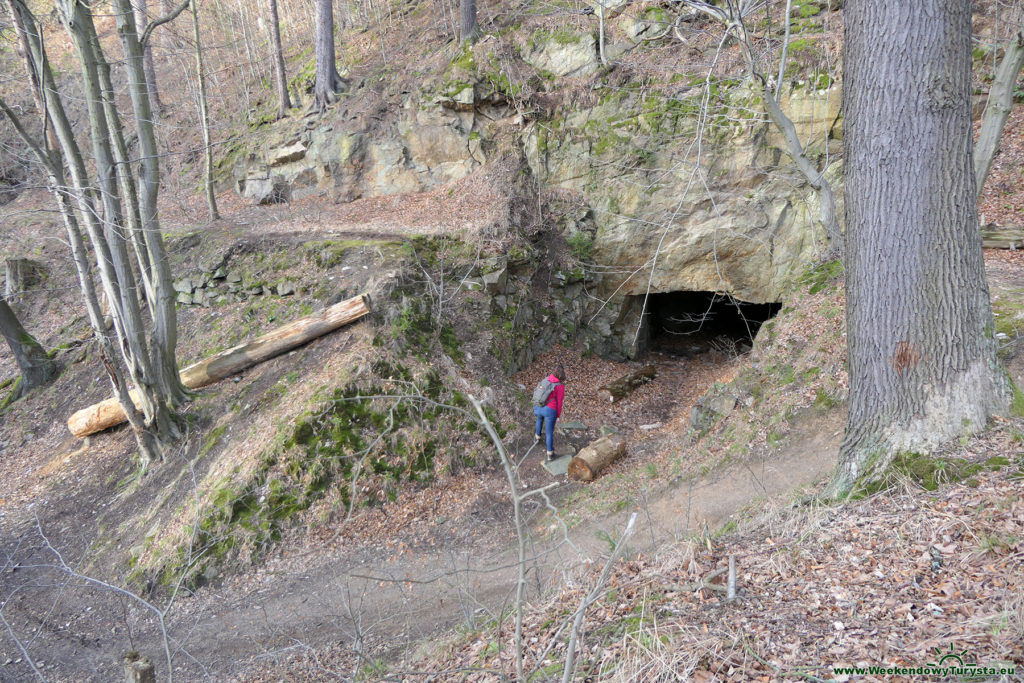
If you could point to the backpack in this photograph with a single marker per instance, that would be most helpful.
(543, 392)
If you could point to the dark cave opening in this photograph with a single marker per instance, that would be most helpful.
(686, 324)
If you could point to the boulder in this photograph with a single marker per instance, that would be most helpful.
(496, 282)
(565, 53)
(710, 409)
(287, 154)
(265, 191)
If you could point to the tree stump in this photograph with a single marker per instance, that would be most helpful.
(138, 668)
(20, 274)
(627, 384)
(589, 462)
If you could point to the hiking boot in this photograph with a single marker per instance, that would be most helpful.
(551, 456)
(536, 438)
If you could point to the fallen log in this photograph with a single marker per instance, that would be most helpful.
(589, 462)
(109, 413)
(1006, 237)
(625, 385)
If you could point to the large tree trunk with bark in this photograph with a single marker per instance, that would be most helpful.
(1000, 102)
(468, 28)
(284, 103)
(922, 355)
(37, 368)
(109, 413)
(328, 82)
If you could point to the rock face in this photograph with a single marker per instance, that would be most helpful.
(565, 53)
(655, 217)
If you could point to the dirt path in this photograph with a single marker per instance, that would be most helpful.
(370, 600)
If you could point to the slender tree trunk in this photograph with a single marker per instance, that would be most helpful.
(922, 356)
(141, 19)
(204, 116)
(165, 322)
(1000, 102)
(118, 277)
(284, 103)
(468, 28)
(82, 192)
(37, 368)
(325, 89)
(126, 179)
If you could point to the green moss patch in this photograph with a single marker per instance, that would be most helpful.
(930, 472)
(357, 447)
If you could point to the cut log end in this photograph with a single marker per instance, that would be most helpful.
(589, 462)
(109, 413)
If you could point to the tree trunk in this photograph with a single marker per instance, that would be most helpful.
(589, 462)
(109, 413)
(325, 89)
(468, 28)
(141, 19)
(165, 321)
(284, 103)
(922, 357)
(37, 368)
(204, 116)
(627, 384)
(1000, 102)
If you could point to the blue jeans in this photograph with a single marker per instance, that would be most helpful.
(547, 417)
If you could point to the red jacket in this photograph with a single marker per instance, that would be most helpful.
(557, 396)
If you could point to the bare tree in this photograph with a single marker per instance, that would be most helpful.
(283, 101)
(922, 357)
(37, 368)
(998, 106)
(328, 82)
(204, 118)
(148, 354)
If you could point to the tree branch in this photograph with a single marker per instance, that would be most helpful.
(161, 21)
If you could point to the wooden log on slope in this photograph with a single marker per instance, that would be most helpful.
(625, 385)
(109, 413)
(1006, 237)
(589, 462)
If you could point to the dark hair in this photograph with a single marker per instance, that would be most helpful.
(559, 372)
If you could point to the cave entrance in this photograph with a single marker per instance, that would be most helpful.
(686, 324)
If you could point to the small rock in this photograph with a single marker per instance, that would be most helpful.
(183, 285)
(496, 282)
(285, 289)
(653, 425)
(234, 276)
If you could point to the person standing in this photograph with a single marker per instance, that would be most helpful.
(549, 409)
